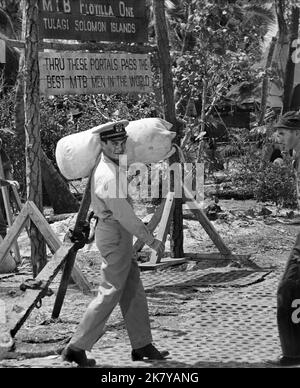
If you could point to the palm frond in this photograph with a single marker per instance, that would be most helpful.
(7, 18)
(238, 11)
(170, 5)
(272, 30)
(265, 15)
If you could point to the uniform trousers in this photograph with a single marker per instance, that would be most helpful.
(120, 283)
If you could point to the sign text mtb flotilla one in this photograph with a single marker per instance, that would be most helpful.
(94, 20)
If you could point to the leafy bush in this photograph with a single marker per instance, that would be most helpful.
(276, 183)
(265, 180)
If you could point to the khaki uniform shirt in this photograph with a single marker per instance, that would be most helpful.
(109, 199)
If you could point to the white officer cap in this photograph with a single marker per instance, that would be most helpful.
(114, 130)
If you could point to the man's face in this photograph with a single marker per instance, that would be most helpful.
(114, 148)
(288, 139)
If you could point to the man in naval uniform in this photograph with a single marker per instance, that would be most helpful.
(288, 293)
(120, 280)
(288, 135)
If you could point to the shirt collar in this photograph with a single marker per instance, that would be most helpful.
(106, 159)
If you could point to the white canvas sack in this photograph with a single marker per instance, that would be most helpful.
(76, 154)
(149, 141)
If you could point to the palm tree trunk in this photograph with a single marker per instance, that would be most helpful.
(32, 131)
(62, 200)
(280, 10)
(265, 83)
(290, 66)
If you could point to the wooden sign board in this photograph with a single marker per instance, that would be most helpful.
(2, 51)
(94, 20)
(93, 73)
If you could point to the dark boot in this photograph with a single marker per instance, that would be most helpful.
(149, 352)
(288, 361)
(73, 354)
(284, 361)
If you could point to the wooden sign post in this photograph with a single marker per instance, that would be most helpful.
(32, 129)
(170, 114)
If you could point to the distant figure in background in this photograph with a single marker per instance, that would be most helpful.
(288, 135)
(288, 293)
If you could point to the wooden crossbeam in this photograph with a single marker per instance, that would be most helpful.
(152, 224)
(162, 216)
(40, 222)
(163, 263)
(14, 232)
(4, 182)
(30, 211)
(164, 225)
(47, 275)
(165, 214)
(17, 197)
(136, 48)
(64, 254)
(54, 244)
(206, 224)
(19, 206)
(9, 215)
(216, 256)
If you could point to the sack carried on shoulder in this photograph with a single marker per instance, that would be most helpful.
(149, 141)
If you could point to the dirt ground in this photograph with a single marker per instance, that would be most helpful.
(192, 306)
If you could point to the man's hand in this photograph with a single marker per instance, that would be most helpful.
(158, 246)
(14, 183)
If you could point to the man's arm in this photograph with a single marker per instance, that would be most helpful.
(123, 212)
